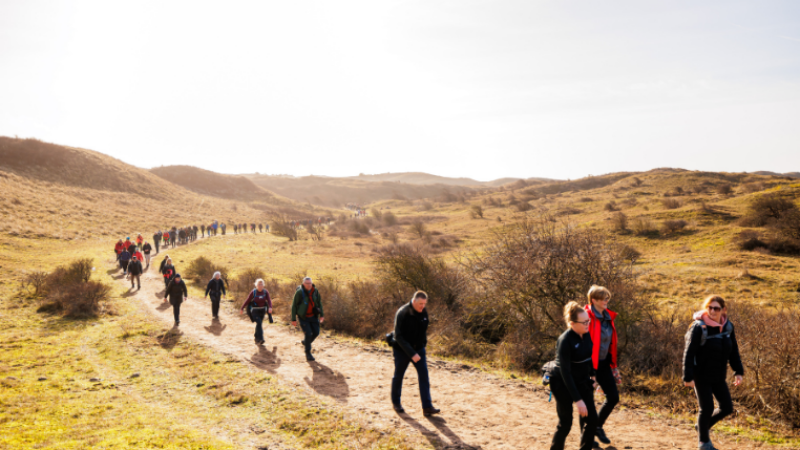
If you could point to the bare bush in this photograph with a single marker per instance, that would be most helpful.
(673, 225)
(201, 270)
(619, 222)
(418, 227)
(389, 219)
(70, 291)
(770, 208)
(316, 231)
(376, 213)
(476, 211)
(611, 206)
(282, 226)
(749, 240)
(629, 253)
(671, 203)
(643, 226)
(725, 189)
(37, 281)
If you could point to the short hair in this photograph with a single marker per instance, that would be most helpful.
(307, 279)
(598, 293)
(216, 273)
(714, 298)
(419, 294)
(260, 280)
(571, 311)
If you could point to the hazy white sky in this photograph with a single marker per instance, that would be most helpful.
(485, 89)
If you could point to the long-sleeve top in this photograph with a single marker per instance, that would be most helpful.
(216, 286)
(259, 299)
(176, 291)
(574, 361)
(709, 362)
(411, 329)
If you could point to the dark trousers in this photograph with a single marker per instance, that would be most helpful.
(215, 297)
(310, 327)
(124, 265)
(605, 378)
(258, 316)
(564, 408)
(166, 282)
(137, 279)
(156, 242)
(707, 416)
(401, 362)
(176, 311)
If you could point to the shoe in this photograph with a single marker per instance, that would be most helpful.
(398, 408)
(177, 323)
(707, 446)
(310, 357)
(427, 412)
(596, 444)
(601, 436)
(138, 288)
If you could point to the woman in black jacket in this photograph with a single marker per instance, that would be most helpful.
(710, 346)
(572, 379)
(177, 293)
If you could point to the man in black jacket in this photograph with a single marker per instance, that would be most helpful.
(216, 287)
(410, 339)
(177, 293)
(135, 272)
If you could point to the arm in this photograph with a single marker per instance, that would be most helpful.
(269, 301)
(564, 359)
(398, 334)
(296, 298)
(247, 301)
(692, 344)
(319, 304)
(735, 358)
(185, 291)
(222, 286)
(208, 287)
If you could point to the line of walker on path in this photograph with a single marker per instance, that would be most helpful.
(586, 353)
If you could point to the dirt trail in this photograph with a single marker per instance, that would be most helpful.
(478, 410)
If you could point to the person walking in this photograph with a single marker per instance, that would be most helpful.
(118, 247)
(173, 236)
(124, 260)
(135, 253)
(139, 240)
(216, 287)
(135, 272)
(710, 347)
(146, 249)
(157, 240)
(259, 304)
(128, 243)
(168, 271)
(166, 239)
(410, 339)
(202, 230)
(307, 310)
(260, 228)
(571, 380)
(224, 227)
(177, 294)
(604, 353)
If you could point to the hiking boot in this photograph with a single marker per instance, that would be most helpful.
(601, 436)
(398, 408)
(596, 444)
(427, 412)
(707, 446)
(310, 357)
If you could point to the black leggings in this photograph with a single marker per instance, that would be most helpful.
(176, 311)
(564, 408)
(605, 378)
(707, 416)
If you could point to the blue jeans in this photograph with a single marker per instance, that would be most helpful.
(401, 362)
(310, 327)
(258, 315)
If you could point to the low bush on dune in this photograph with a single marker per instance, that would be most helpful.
(69, 291)
(201, 270)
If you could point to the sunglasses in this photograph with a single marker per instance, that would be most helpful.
(715, 308)
(586, 323)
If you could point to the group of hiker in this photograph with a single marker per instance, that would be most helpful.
(586, 358)
(130, 255)
(241, 228)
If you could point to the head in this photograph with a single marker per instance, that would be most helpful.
(576, 318)
(714, 305)
(134, 258)
(419, 300)
(169, 261)
(259, 284)
(598, 297)
(177, 278)
(308, 282)
(217, 275)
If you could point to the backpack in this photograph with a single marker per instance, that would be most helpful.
(727, 329)
(548, 370)
(250, 310)
(389, 339)
(314, 309)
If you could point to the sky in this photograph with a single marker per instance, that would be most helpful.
(481, 89)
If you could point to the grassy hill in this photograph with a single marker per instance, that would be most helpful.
(214, 184)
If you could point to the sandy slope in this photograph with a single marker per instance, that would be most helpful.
(478, 410)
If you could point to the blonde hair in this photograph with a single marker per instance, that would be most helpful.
(598, 293)
(571, 311)
(714, 298)
(259, 281)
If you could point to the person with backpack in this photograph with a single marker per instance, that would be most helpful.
(124, 260)
(167, 271)
(710, 347)
(135, 272)
(604, 353)
(224, 227)
(135, 253)
(258, 304)
(139, 240)
(307, 309)
(157, 240)
(118, 247)
(571, 380)
(177, 293)
(166, 239)
(146, 249)
(173, 236)
(216, 287)
(409, 342)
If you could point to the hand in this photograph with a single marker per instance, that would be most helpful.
(582, 408)
(294, 323)
(689, 383)
(185, 298)
(737, 380)
(416, 358)
(165, 299)
(241, 311)
(269, 310)
(322, 320)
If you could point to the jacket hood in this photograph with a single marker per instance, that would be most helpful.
(588, 309)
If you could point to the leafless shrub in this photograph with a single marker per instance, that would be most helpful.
(619, 222)
(70, 292)
(201, 270)
(611, 206)
(389, 219)
(643, 226)
(671, 203)
(476, 211)
(281, 226)
(418, 227)
(673, 225)
(725, 189)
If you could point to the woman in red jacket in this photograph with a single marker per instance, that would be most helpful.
(604, 353)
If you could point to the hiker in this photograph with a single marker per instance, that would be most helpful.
(166, 238)
(128, 243)
(216, 287)
(202, 230)
(307, 309)
(124, 260)
(157, 240)
(223, 227)
(710, 346)
(137, 254)
(259, 304)
(604, 353)
(135, 272)
(146, 249)
(139, 240)
(118, 247)
(177, 293)
(571, 381)
(260, 228)
(266, 227)
(236, 228)
(168, 271)
(252, 228)
(410, 339)
(173, 235)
